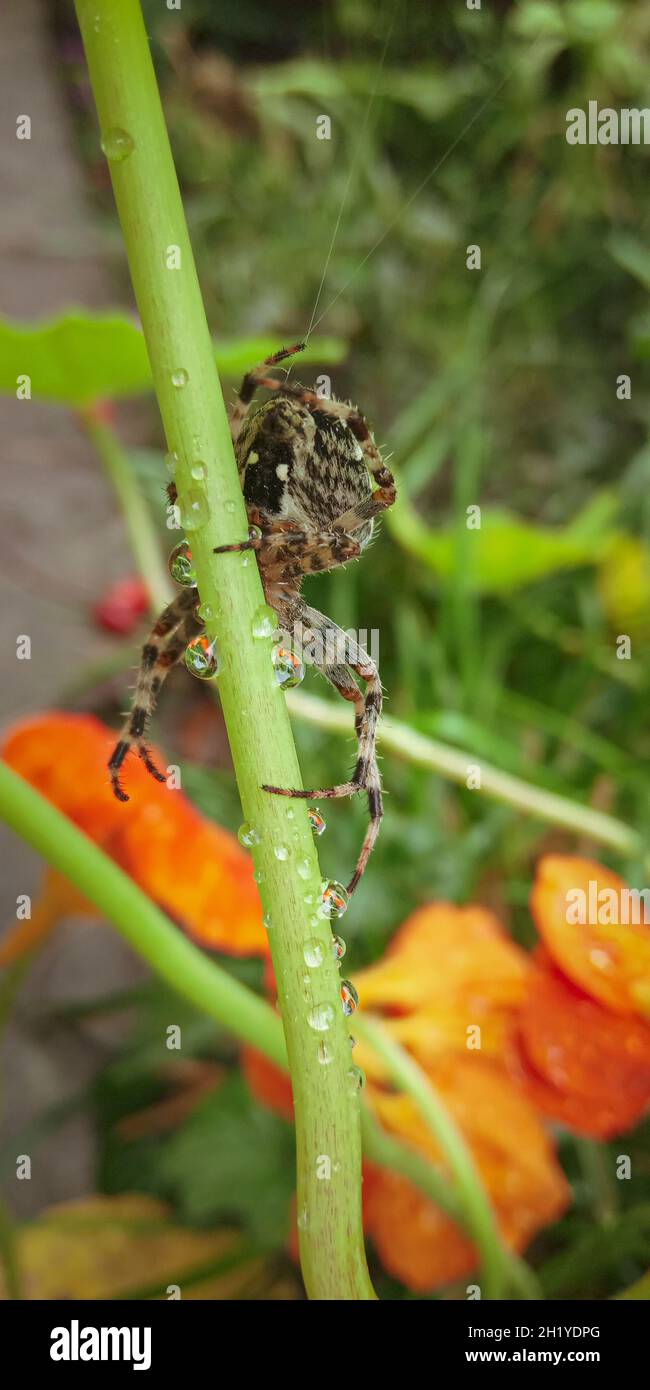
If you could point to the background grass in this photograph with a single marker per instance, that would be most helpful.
(494, 387)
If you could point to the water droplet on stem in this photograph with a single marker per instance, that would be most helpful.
(117, 145)
(180, 565)
(201, 658)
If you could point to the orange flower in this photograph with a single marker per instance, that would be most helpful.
(562, 1034)
(447, 973)
(270, 1085)
(418, 1243)
(451, 987)
(195, 870)
(604, 956)
(58, 899)
(584, 1039)
(448, 970)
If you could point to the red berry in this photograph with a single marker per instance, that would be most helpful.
(123, 605)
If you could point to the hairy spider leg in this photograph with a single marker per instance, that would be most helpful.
(308, 624)
(285, 555)
(253, 379)
(163, 648)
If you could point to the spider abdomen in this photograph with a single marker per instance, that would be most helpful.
(302, 465)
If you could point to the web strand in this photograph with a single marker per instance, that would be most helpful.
(353, 166)
(492, 96)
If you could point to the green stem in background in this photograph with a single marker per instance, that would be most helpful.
(135, 140)
(448, 761)
(639, 1290)
(169, 953)
(417, 748)
(596, 1166)
(497, 1268)
(386, 1151)
(142, 534)
(181, 964)
(9, 1255)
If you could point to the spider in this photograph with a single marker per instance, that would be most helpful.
(305, 465)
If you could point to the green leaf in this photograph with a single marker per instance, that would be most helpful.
(232, 1160)
(632, 255)
(506, 552)
(79, 357)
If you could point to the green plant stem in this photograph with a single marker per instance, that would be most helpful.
(595, 1164)
(470, 1193)
(181, 964)
(386, 1151)
(417, 748)
(142, 534)
(173, 957)
(414, 747)
(164, 278)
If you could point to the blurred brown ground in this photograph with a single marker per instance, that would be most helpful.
(62, 544)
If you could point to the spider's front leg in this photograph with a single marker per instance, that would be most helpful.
(285, 554)
(162, 649)
(334, 652)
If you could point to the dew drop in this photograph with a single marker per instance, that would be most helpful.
(265, 621)
(339, 947)
(601, 959)
(229, 507)
(180, 565)
(201, 658)
(171, 461)
(335, 899)
(194, 510)
(198, 470)
(304, 868)
(248, 835)
(117, 145)
(180, 378)
(302, 1219)
(290, 813)
(254, 533)
(349, 997)
(206, 612)
(314, 953)
(316, 820)
(289, 670)
(356, 1080)
(325, 1054)
(321, 1017)
(258, 876)
(282, 852)
(267, 921)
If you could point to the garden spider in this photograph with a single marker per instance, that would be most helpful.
(305, 465)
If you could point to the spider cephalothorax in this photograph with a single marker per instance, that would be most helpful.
(305, 466)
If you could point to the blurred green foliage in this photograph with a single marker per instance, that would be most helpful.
(493, 387)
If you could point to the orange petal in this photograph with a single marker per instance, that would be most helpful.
(582, 1064)
(58, 899)
(512, 1153)
(64, 756)
(415, 1241)
(442, 950)
(198, 874)
(448, 969)
(268, 1083)
(611, 962)
(193, 868)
